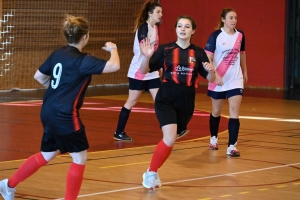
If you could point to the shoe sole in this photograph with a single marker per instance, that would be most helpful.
(234, 155)
(123, 139)
(183, 134)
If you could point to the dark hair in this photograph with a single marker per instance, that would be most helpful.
(223, 14)
(194, 25)
(142, 16)
(75, 28)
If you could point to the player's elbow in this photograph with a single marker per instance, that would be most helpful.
(111, 67)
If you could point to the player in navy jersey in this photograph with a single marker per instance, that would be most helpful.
(181, 62)
(226, 50)
(66, 74)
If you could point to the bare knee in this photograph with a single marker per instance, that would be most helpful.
(49, 155)
(130, 103)
(80, 157)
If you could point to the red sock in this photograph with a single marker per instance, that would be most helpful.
(29, 167)
(74, 180)
(160, 155)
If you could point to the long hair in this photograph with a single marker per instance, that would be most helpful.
(223, 14)
(143, 15)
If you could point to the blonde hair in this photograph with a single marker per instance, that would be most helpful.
(74, 28)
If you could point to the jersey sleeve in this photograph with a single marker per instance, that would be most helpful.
(157, 59)
(243, 45)
(202, 57)
(45, 68)
(142, 32)
(92, 65)
(210, 46)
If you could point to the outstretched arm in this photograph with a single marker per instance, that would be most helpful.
(113, 64)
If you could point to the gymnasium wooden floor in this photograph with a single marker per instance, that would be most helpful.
(269, 142)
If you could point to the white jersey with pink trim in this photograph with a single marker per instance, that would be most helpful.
(226, 50)
(144, 31)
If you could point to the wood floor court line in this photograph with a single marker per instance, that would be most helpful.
(195, 179)
(268, 168)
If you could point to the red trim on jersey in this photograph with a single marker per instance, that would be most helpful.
(192, 61)
(175, 59)
(165, 68)
(76, 121)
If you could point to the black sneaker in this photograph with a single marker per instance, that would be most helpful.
(183, 133)
(122, 137)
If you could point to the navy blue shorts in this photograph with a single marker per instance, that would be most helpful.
(146, 85)
(225, 94)
(72, 143)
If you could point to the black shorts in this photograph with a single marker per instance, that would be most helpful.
(146, 85)
(225, 94)
(174, 104)
(72, 143)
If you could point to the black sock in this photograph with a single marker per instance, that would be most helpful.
(214, 125)
(123, 117)
(233, 130)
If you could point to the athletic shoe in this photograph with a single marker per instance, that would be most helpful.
(183, 133)
(157, 182)
(213, 143)
(7, 192)
(122, 137)
(232, 151)
(151, 180)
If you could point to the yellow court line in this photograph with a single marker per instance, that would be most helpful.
(226, 195)
(281, 186)
(246, 192)
(205, 199)
(263, 189)
(124, 165)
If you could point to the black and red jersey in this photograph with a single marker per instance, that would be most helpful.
(70, 71)
(180, 66)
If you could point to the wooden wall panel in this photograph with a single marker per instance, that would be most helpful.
(33, 31)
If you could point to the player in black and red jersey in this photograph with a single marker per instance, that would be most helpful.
(66, 74)
(181, 62)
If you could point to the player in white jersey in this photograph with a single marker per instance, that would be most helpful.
(226, 50)
(145, 27)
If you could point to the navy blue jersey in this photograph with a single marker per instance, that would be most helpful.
(180, 66)
(70, 72)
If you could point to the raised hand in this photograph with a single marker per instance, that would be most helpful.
(146, 48)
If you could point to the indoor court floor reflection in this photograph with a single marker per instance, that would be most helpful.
(269, 142)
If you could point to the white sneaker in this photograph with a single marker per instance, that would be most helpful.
(232, 151)
(7, 192)
(157, 182)
(213, 143)
(151, 180)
